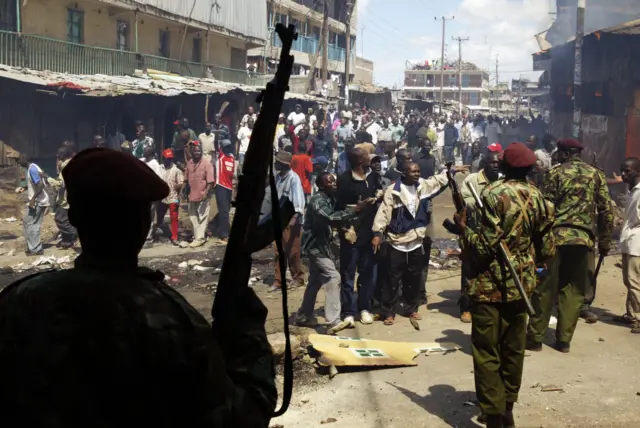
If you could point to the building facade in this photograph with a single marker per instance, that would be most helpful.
(424, 82)
(307, 16)
(118, 36)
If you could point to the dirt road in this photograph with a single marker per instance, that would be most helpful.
(600, 378)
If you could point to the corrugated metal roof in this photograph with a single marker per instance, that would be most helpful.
(246, 17)
(100, 85)
(630, 28)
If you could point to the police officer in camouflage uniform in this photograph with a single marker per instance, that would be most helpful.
(583, 214)
(516, 213)
(108, 343)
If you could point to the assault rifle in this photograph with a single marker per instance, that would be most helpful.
(246, 234)
(502, 255)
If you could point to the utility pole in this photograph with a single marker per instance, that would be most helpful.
(577, 72)
(497, 87)
(347, 61)
(444, 32)
(460, 40)
(325, 41)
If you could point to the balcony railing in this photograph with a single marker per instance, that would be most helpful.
(42, 53)
(310, 45)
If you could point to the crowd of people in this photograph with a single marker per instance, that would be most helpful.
(365, 181)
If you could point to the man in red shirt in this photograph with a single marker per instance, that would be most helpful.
(225, 180)
(301, 164)
(200, 177)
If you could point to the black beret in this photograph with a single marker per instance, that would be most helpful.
(517, 155)
(569, 143)
(104, 173)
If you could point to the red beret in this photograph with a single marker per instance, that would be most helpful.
(518, 155)
(106, 174)
(569, 143)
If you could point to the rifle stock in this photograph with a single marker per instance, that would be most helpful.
(503, 255)
(449, 225)
(236, 267)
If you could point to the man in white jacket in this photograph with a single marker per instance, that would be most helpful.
(403, 218)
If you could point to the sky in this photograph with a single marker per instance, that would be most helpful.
(390, 32)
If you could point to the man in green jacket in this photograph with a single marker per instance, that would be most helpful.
(517, 215)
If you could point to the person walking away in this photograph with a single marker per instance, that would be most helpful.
(356, 253)
(583, 213)
(517, 215)
(289, 187)
(244, 136)
(59, 329)
(36, 207)
(301, 164)
(402, 220)
(493, 131)
(201, 179)
(317, 236)
(174, 178)
(630, 245)
(297, 118)
(478, 181)
(451, 137)
(67, 231)
(225, 181)
(141, 142)
(207, 142)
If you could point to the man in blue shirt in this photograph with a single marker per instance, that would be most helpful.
(36, 208)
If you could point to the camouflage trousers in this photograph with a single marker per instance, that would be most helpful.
(498, 337)
(566, 282)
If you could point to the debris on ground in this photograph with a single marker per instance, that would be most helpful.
(348, 351)
(278, 345)
(328, 421)
(469, 404)
(551, 388)
(9, 220)
(11, 253)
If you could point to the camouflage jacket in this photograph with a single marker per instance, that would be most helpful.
(583, 206)
(525, 231)
(104, 348)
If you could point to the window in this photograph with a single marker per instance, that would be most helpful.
(163, 39)
(197, 50)
(466, 80)
(280, 18)
(315, 33)
(75, 26)
(453, 81)
(8, 18)
(122, 35)
(474, 100)
(298, 25)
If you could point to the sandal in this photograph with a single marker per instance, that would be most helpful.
(389, 321)
(415, 316)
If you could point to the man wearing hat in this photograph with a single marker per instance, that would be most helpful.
(289, 187)
(78, 335)
(172, 175)
(517, 214)
(178, 145)
(583, 215)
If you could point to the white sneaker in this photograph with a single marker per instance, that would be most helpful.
(366, 317)
(348, 322)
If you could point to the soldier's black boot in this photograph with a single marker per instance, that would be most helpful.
(494, 421)
(534, 346)
(507, 420)
(589, 316)
(563, 347)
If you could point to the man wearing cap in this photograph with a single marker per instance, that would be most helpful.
(200, 177)
(289, 186)
(172, 175)
(583, 214)
(177, 144)
(516, 214)
(78, 335)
